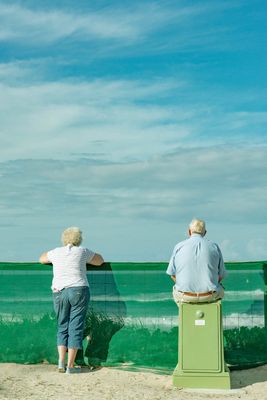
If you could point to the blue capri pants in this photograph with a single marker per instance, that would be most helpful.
(70, 305)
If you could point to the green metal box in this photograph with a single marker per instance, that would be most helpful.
(201, 354)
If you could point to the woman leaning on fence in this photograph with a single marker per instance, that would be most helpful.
(70, 293)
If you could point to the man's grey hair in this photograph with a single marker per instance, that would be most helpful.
(72, 235)
(198, 226)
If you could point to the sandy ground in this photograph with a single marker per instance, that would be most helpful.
(38, 382)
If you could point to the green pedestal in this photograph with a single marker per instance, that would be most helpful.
(201, 353)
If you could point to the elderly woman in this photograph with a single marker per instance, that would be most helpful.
(70, 293)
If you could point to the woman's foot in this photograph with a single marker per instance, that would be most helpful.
(74, 370)
(61, 366)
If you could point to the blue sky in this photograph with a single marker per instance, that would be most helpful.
(128, 119)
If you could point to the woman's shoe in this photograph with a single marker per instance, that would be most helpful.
(75, 370)
(61, 366)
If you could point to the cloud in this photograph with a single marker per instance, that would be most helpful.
(154, 197)
(256, 248)
(91, 128)
(188, 26)
(210, 181)
(121, 118)
(51, 25)
(118, 114)
(228, 247)
(39, 26)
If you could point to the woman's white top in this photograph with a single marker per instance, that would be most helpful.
(69, 266)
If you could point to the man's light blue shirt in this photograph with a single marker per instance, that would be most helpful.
(197, 264)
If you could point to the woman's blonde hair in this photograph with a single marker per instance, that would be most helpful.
(72, 235)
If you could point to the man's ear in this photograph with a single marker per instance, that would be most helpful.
(204, 233)
(189, 232)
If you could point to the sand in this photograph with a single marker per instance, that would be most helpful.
(42, 381)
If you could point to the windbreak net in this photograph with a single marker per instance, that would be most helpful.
(132, 320)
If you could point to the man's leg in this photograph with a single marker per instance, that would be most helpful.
(219, 294)
(177, 296)
(180, 297)
(215, 296)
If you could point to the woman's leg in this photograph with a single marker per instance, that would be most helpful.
(62, 350)
(62, 309)
(71, 357)
(79, 300)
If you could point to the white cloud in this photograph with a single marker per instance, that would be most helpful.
(125, 119)
(164, 187)
(47, 26)
(60, 118)
(257, 248)
(229, 247)
(124, 26)
(141, 202)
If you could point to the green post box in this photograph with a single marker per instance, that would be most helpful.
(201, 353)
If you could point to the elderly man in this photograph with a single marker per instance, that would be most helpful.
(197, 268)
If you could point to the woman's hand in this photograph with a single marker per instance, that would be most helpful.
(43, 259)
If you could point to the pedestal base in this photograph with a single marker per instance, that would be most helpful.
(201, 380)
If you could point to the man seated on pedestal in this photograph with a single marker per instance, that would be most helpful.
(197, 267)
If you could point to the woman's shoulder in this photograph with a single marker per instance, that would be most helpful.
(58, 249)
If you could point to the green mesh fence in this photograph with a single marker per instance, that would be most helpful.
(132, 320)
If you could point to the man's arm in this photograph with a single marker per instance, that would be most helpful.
(221, 268)
(97, 260)
(171, 270)
(44, 259)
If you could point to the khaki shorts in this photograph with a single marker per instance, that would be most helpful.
(180, 297)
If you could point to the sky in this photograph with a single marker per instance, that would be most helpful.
(130, 118)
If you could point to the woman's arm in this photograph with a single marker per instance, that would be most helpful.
(97, 260)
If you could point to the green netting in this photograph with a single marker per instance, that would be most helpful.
(132, 320)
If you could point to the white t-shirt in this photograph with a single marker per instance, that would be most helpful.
(69, 266)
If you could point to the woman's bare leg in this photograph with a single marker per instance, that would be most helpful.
(62, 353)
(71, 357)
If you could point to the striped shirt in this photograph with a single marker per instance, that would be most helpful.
(69, 266)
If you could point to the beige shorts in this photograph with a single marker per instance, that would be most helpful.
(180, 297)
